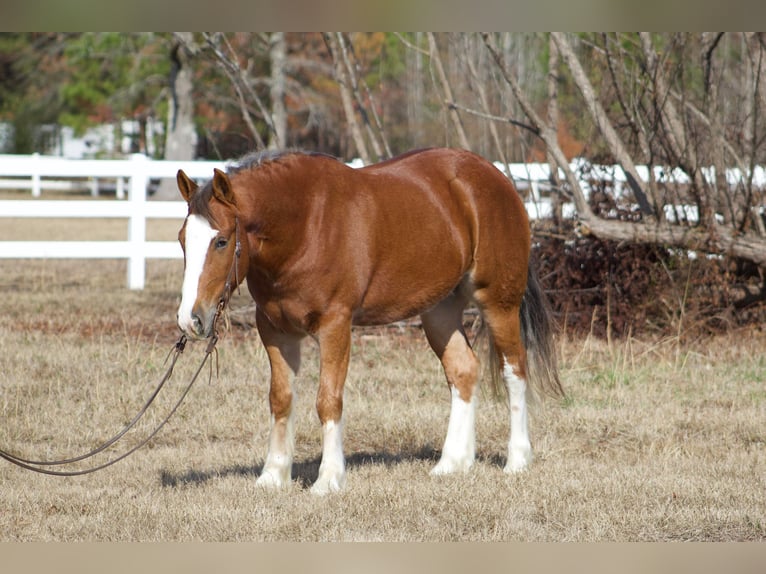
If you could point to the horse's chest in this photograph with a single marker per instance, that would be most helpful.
(289, 313)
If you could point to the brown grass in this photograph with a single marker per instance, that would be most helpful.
(656, 441)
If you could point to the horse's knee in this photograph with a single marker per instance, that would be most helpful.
(461, 367)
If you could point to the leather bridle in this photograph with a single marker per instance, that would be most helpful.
(232, 276)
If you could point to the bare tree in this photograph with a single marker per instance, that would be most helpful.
(365, 103)
(278, 61)
(181, 134)
(251, 105)
(481, 93)
(448, 98)
(343, 77)
(602, 120)
(677, 141)
(553, 120)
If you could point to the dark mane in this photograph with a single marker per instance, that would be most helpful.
(201, 200)
(259, 158)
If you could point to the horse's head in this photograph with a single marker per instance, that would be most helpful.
(215, 252)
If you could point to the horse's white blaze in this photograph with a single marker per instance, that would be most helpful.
(460, 445)
(332, 471)
(199, 234)
(519, 448)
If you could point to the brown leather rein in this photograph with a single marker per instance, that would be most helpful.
(44, 466)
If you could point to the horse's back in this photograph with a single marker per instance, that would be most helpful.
(456, 188)
(440, 216)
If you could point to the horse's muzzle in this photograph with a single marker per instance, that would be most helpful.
(197, 325)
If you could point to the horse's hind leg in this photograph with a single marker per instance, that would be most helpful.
(443, 326)
(505, 326)
(284, 358)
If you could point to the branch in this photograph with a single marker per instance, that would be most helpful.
(602, 121)
(242, 77)
(546, 132)
(670, 121)
(488, 116)
(234, 73)
(482, 93)
(410, 45)
(726, 242)
(454, 116)
(353, 71)
(707, 56)
(341, 76)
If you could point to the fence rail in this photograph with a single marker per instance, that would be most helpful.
(138, 171)
(36, 172)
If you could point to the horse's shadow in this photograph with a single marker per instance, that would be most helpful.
(306, 472)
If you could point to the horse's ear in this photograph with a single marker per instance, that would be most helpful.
(185, 185)
(222, 187)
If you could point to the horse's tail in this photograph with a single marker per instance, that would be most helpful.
(537, 330)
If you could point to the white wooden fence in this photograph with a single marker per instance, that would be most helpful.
(138, 171)
(35, 172)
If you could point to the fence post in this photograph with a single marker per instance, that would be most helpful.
(36, 186)
(137, 222)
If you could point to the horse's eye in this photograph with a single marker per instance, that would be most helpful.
(221, 243)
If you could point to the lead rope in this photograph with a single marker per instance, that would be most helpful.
(176, 352)
(40, 466)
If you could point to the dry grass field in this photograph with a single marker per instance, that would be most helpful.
(656, 441)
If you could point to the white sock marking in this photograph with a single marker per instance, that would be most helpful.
(519, 448)
(199, 234)
(279, 461)
(332, 471)
(460, 445)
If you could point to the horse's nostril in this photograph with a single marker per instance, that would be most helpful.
(196, 323)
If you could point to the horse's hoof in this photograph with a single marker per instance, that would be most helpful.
(326, 486)
(271, 480)
(451, 466)
(518, 461)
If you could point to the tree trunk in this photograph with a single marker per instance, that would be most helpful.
(481, 92)
(710, 71)
(726, 241)
(602, 121)
(553, 120)
(181, 134)
(278, 56)
(415, 99)
(356, 93)
(341, 76)
(548, 134)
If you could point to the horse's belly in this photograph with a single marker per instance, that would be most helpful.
(400, 296)
(391, 313)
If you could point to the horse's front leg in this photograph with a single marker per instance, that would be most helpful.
(334, 349)
(284, 358)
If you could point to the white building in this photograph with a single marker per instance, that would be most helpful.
(97, 142)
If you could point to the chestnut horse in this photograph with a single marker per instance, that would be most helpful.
(324, 247)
